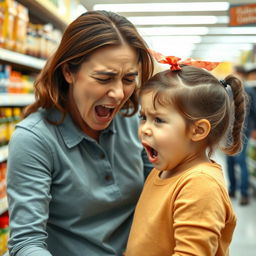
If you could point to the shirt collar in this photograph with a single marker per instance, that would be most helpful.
(71, 134)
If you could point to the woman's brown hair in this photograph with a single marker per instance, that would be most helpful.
(197, 94)
(85, 35)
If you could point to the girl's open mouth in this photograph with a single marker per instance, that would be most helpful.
(151, 152)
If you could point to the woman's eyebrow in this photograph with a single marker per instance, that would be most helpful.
(132, 74)
(109, 73)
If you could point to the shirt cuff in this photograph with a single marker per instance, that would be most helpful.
(33, 251)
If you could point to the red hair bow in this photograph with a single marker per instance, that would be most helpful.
(175, 62)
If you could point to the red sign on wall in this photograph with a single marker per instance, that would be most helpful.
(242, 15)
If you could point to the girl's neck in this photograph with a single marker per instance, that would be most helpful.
(183, 167)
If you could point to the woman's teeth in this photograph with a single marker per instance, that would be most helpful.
(104, 110)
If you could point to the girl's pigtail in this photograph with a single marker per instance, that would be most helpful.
(239, 109)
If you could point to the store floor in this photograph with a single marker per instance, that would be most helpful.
(244, 242)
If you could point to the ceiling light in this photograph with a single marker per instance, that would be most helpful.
(170, 30)
(223, 47)
(229, 39)
(171, 20)
(233, 30)
(181, 40)
(161, 31)
(164, 7)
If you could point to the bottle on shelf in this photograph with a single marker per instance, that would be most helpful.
(4, 232)
(3, 166)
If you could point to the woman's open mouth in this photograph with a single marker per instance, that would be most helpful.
(104, 112)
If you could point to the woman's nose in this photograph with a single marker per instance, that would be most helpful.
(117, 91)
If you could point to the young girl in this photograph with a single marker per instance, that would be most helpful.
(184, 208)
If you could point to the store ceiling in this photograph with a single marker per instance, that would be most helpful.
(212, 41)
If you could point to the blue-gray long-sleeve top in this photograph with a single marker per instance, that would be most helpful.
(69, 195)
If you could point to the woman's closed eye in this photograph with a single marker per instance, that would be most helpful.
(129, 79)
(103, 80)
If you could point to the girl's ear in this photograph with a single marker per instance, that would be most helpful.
(200, 130)
(66, 73)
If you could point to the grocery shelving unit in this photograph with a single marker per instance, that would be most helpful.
(21, 59)
(252, 165)
(47, 12)
(17, 100)
(3, 205)
(3, 154)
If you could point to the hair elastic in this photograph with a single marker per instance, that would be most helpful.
(224, 83)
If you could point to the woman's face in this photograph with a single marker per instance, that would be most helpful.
(103, 84)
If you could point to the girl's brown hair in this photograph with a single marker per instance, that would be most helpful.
(85, 35)
(197, 94)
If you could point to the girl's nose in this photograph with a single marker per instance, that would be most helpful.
(145, 130)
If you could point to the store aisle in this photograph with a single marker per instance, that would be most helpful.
(244, 242)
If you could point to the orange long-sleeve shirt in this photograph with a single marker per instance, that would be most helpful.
(188, 214)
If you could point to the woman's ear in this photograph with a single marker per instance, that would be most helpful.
(66, 73)
(200, 130)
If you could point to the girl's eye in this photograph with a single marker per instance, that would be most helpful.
(142, 117)
(159, 120)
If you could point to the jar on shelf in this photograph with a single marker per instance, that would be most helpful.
(4, 232)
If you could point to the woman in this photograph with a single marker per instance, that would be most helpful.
(76, 167)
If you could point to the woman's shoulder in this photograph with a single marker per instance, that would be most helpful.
(35, 124)
(33, 120)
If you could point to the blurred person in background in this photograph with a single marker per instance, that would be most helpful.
(248, 75)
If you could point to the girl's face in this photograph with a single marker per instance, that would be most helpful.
(103, 84)
(163, 133)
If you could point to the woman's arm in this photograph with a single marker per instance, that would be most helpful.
(28, 190)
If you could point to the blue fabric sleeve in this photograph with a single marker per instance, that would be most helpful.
(28, 188)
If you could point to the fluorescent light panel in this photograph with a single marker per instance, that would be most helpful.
(164, 7)
(223, 47)
(171, 20)
(205, 39)
(162, 31)
(181, 40)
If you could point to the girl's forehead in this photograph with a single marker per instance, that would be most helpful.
(152, 101)
(163, 97)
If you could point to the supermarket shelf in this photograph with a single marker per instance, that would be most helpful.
(251, 162)
(22, 59)
(19, 100)
(3, 205)
(48, 11)
(3, 153)
(252, 142)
